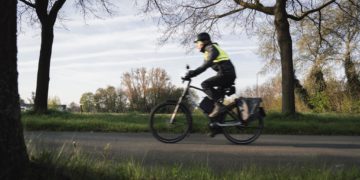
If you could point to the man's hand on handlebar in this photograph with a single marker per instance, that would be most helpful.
(185, 78)
(188, 75)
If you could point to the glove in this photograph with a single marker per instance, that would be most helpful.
(189, 74)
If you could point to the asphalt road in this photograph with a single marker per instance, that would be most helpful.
(218, 153)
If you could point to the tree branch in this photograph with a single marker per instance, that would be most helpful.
(158, 7)
(106, 4)
(299, 18)
(257, 6)
(319, 27)
(55, 9)
(41, 10)
(228, 13)
(301, 6)
(202, 7)
(347, 12)
(28, 3)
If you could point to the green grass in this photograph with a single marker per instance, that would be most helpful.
(275, 123)
(56, 121)
(74, 164)
(311, 123)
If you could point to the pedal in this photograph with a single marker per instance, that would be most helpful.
(212, 125)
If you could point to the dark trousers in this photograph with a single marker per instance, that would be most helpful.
(222, 81)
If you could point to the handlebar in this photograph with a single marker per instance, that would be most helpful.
(183, 78)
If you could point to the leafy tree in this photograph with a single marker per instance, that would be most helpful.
(46, 12)
(324, 43)
(87, 102)
(54, 102)
(347, 31)
(190, 17)
(121, 101)
(111, 99)
(13, 155)
(106, 100)
(73, 107)
(100, 100)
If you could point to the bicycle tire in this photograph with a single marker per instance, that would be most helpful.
(160, 127)
(244, 134)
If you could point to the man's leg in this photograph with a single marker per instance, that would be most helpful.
(208, 87)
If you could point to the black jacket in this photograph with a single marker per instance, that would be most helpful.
(223, 68)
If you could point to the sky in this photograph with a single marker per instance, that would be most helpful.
(95, 54)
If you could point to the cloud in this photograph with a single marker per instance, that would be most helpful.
(96, 54)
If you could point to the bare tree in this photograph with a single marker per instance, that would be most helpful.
(46, 12)
(136, 86)
(146, 88)
(13, 155)
(189, 17)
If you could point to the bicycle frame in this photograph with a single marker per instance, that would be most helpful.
(186, 91)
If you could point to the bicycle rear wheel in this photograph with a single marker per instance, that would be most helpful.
(243, 134)
(161, 127)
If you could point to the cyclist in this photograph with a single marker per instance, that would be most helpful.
(218, 60)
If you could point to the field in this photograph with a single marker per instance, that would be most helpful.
(275, 123)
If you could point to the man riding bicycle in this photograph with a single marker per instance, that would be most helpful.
(218, 60)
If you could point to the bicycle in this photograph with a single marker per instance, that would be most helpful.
(171, 121)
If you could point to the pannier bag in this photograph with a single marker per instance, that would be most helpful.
(248, 107)
(207, 105)
(244, 107)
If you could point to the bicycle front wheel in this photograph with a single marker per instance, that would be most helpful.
(161, 126)
(243, 134)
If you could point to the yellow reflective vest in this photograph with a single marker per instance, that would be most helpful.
(223, 56)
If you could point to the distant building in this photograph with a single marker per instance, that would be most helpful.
(61, 108)
(27, 107)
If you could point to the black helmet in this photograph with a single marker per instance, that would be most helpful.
(203, 37)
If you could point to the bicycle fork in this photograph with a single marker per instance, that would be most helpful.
(178, 104)
(174, 113)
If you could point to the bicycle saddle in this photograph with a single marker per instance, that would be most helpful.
(228, 90)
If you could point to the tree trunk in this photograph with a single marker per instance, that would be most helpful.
(353, 82)
(285, 44)
(43, 76)
(13, 155)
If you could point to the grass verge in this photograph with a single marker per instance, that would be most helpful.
(74, 164)
(275, 123)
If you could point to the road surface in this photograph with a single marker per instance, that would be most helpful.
(217, 153)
